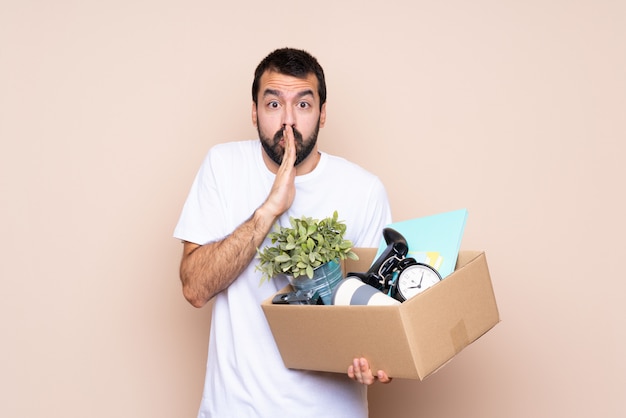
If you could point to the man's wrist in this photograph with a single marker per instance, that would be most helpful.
(263, 219)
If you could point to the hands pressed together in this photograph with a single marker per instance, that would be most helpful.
(283, 190)
(361, 372)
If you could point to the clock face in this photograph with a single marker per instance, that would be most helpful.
(415, 279)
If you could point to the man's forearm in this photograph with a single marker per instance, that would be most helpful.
(208, 269)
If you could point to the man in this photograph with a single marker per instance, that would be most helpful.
(241, 191)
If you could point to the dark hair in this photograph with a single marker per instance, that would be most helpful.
(293, 62)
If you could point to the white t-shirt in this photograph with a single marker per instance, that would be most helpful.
(245, 374)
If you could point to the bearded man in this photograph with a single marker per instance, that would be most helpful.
(240, 192)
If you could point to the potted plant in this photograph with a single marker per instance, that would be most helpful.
(307, 251)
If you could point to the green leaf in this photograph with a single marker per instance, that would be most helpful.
(282, 258)
(352, 256)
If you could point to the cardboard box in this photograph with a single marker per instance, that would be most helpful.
(411, 340)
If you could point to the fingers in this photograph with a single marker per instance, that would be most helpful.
(360, 371)
(289, 156)
(382, 377)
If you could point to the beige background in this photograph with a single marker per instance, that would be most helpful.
(512, 109)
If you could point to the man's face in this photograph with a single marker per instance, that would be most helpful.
(285, 100)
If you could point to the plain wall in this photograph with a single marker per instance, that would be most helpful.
(514, 110)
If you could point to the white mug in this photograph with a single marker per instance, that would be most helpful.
(352, 291)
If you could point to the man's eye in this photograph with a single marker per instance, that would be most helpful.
(273, 105)
(303, 105)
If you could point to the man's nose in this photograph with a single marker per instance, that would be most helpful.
(289, 117)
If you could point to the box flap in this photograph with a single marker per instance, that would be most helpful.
(466, 257)
(446, 318)
(366, 258)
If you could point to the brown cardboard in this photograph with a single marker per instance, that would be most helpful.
(410, 340)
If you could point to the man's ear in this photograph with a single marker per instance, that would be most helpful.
(254, 115)
(323, 115)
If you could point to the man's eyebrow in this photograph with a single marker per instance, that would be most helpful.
(271, 92)
(307, 92)
(278, 93)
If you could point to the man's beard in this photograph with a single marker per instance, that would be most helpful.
(275, 151)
